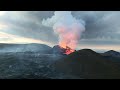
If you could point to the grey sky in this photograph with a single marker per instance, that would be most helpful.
(102, 27)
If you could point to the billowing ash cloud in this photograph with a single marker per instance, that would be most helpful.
(67, 27)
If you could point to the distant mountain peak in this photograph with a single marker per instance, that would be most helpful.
(112, 53)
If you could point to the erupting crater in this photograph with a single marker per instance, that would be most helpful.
(68, 50)
(62, 50)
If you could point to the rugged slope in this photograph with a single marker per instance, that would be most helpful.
(88, 64)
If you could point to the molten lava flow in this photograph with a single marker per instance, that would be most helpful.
(68, 50)
(68, 41)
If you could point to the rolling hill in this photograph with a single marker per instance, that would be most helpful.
(41, 48)
(112, 53)
(88, 64)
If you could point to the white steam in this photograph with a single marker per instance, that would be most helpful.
(67, 27)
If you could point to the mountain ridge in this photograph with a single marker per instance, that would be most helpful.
(88, 64)
(33, 47)
(112, 53)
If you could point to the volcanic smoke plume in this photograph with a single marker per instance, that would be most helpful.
(67, 27)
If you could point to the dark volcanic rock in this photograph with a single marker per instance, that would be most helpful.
(58, 50)
(63, 51)
(89, 65)
(27, 65)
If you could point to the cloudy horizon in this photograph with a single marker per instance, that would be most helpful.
(102, 28)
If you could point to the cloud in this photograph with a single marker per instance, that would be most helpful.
(27, 24)
(103, 24)
(3, 26)
(102, 27)
(67, 27)
(9, 38)
(2, 13)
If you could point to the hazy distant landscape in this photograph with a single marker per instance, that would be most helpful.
(31, 63)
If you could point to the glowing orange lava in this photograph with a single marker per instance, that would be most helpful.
(68, 39)
(68, 50)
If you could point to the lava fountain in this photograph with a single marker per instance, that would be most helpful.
(68, 29)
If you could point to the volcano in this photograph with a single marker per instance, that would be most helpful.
(60, 50)
(88, 64)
